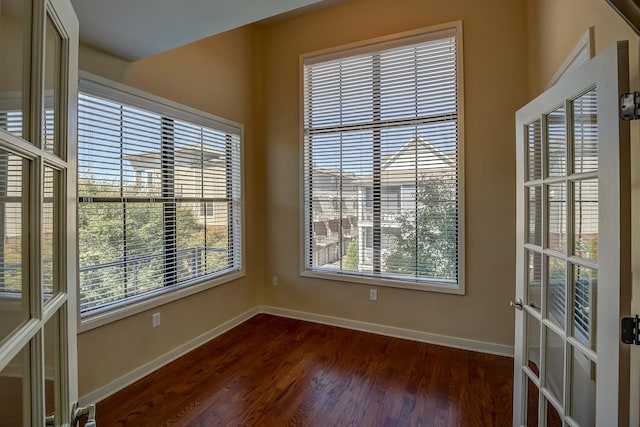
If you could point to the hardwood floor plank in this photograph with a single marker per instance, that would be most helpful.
(273, 371)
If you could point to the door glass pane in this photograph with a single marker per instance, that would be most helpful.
(403, 258)
(534, 150)
(12, 51)
(584, 307)
(534, 279)
(533, 397)
(585, 132)
(556, 291)
(349, 235)
(554, 364)
(586, 219)
(48, 235)
(557, 143)
(533, 343)
(13, 384)
(53, 52)
(51, 343)
(535, 215)
(553, 416)
(14, 307)
(219, 244)
(583, 389)
(557, 229)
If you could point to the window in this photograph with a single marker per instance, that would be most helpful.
(159, 197)
(384, 118)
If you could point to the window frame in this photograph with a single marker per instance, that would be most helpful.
(91, 84)
(358, 48)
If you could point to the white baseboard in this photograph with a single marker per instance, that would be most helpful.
(144, 370)
(391, 331)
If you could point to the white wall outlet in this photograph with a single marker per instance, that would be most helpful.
(155, 320)
(274, 280)
(373, 294)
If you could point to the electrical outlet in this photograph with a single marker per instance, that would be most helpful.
(155, 320)
(274, 280)
(373, 294)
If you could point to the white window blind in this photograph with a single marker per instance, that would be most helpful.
(382, 161)
(159, 199)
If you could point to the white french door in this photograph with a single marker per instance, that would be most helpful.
(38, 308)
(573, 250)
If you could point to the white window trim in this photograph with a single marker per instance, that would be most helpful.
(398, 39)
(99, 86)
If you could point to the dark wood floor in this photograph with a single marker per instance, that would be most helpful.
(272, 371)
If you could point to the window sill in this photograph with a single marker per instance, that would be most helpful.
(131, 308)
(431, 286)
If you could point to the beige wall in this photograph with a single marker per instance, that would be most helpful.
(495, 87)
(250, 75)
(555, 27)
(216, 76)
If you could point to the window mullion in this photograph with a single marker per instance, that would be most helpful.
(309, 255)
(341, 171)
(231, 250)
(125, 246)
(169, 220)
(416, 172)
(205, 204)
(4, 192)
(377, 166)
(341, 200)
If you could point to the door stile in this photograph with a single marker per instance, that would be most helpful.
(34, 117)
(520, 384)
(616, 211)
(67, 204)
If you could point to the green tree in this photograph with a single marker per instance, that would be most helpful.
(351, 259)
(101, 241)
(426, 243)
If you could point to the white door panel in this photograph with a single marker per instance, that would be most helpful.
(38, 303)
(573, 250)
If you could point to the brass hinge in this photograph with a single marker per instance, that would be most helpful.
(630, 106)
(630, 333)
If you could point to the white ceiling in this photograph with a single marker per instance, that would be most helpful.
(136, 29)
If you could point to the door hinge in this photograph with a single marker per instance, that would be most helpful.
(630, 106)
(630, 333)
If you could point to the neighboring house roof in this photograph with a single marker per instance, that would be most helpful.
(416, 154)
(185, 155)
(333, 172)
